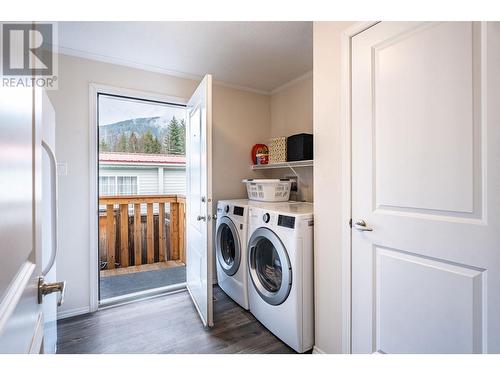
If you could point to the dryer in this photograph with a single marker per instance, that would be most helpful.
(231, 235)
(280, 265)
(230, 249)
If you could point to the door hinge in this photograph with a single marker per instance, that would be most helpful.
(350, 223)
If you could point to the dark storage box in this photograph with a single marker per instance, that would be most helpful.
(299, 147)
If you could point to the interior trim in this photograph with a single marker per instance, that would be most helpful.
(317, 350)
(345, 129)
(141, 296)
(73, 312)
(288, 84)
(151, 68)
(15, 292)
(94, 90)
(38, 335)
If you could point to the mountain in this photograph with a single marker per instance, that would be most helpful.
(156, 125)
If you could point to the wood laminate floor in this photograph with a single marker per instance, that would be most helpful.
(168, 324)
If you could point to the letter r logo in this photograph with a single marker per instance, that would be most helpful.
(27, 49)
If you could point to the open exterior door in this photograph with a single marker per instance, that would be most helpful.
(199, 200)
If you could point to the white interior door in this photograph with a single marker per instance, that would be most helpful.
(426, 178)
(49, 217)
(199, 200)
(21, 318)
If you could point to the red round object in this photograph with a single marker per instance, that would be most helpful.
(259, 148)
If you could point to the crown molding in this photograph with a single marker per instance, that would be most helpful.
(294, 81)
(151, 68)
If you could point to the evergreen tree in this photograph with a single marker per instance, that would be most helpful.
(121, 146)
(133, 143)
(156, 146)
(147, 142)
(183, 136)
(166, 143)
(175, 133)
(103, 146)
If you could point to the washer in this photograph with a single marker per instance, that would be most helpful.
(280, 266)
(231, 236)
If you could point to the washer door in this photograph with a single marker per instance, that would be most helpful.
(228, 246)
(269, 265)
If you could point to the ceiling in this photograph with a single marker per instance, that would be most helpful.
(259, 56)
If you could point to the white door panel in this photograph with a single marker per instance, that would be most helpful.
(414, 167)
(21, 319)
(50, 300)
(425, 172)
(199, 200)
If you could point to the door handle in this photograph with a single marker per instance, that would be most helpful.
(48, 288)
(200, 218)
(53, 206)
(361, 226)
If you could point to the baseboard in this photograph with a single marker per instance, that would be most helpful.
(73, 312)
(317, 350)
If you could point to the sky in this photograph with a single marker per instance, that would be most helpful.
(113, 109)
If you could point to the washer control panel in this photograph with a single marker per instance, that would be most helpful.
(286, 221)
(237, 210)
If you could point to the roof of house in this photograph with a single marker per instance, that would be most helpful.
(125, 158)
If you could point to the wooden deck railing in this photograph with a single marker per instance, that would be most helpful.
(128, 237)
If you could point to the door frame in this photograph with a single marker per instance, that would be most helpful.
(94, 90)
(345, 124)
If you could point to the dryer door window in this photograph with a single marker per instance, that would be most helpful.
(228, 246)
(270, 268)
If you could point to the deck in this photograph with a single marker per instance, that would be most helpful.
(141, 243)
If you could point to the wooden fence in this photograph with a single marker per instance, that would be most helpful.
(129, 237)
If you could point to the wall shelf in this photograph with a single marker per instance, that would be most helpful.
(290, 164)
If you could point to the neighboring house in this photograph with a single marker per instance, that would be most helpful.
(141, 174)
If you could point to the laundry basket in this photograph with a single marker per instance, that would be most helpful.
(268, 190)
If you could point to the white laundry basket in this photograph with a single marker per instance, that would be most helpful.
(268, 190)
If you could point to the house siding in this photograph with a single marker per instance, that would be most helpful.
(147, 178)
(174, 181)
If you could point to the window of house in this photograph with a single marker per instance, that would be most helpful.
(118, 185)
(127, 185)
(107, 185)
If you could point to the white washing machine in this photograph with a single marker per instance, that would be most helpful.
(231, 235)
(231, 248)
(280, 265)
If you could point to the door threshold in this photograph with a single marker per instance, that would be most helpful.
(141, 296)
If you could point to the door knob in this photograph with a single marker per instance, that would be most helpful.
(48, 288)
(361, 226)
(200, 218)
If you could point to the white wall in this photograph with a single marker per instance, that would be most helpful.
(240, 120)
(292, 108)
(292, 113)
(327, 186)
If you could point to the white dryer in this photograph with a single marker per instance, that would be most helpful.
(231, 239)
(231, 248)
(280, 265)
